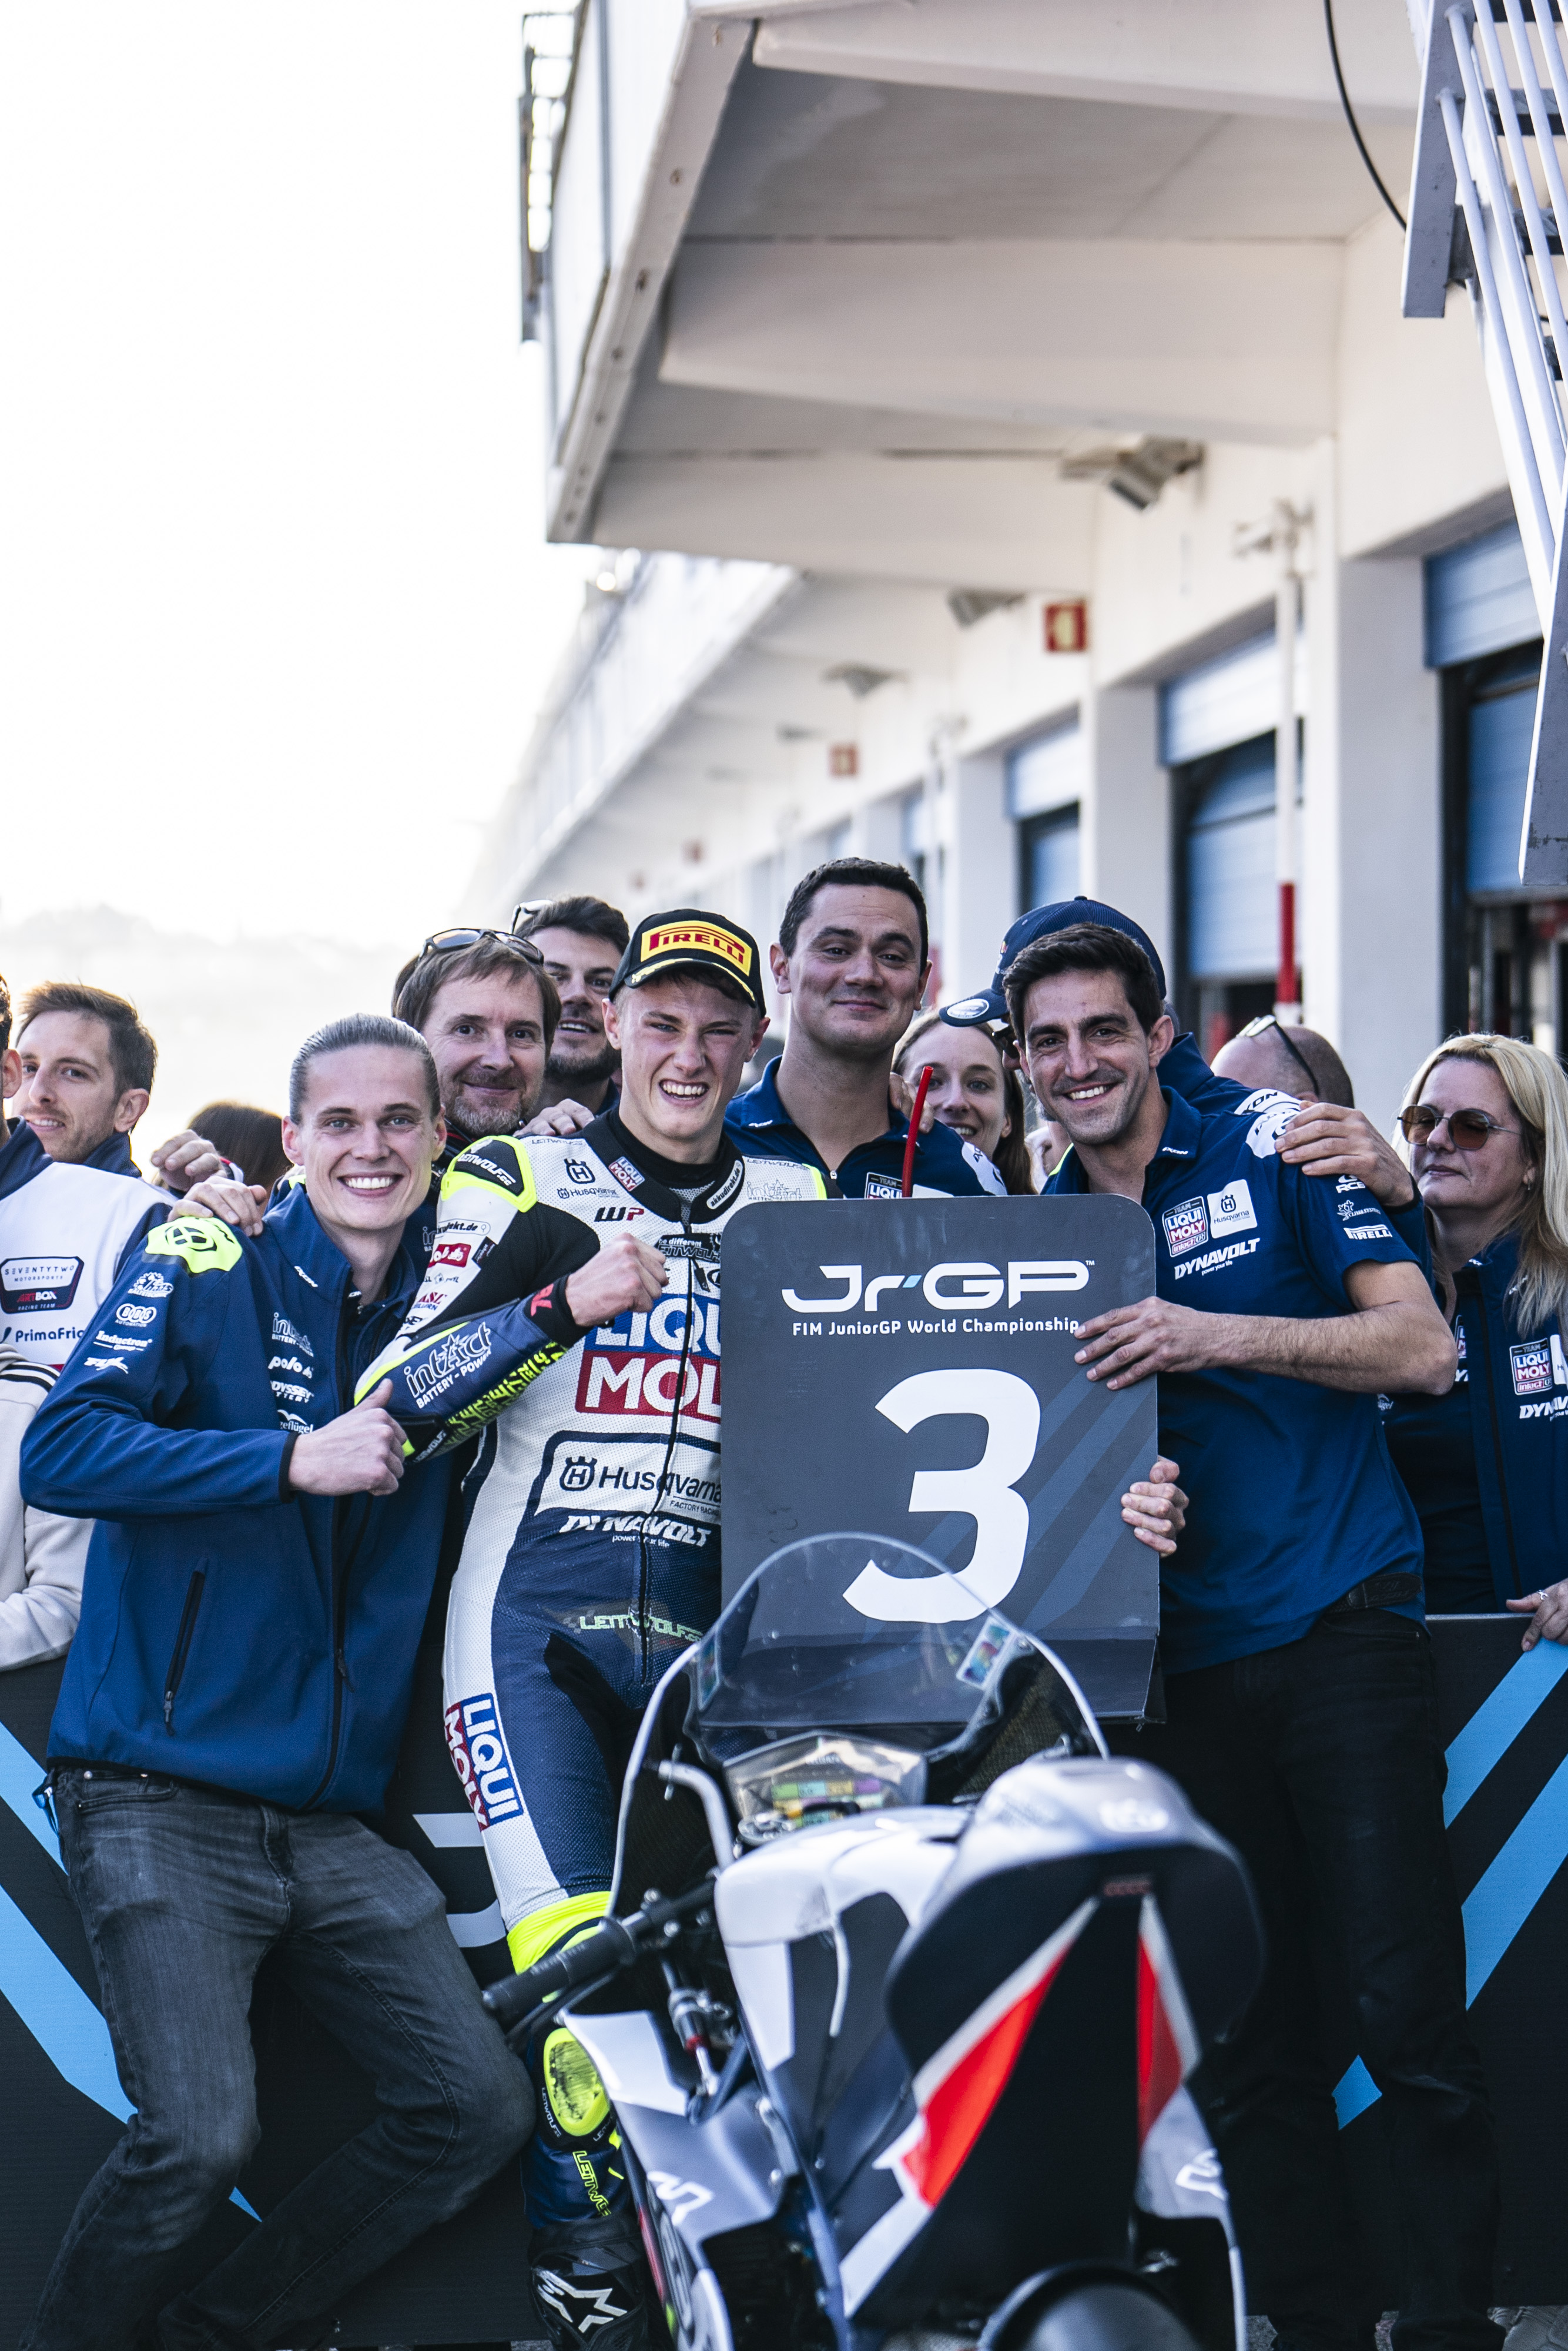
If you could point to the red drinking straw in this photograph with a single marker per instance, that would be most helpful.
(926, 1075)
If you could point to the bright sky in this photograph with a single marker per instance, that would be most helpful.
(275, 610)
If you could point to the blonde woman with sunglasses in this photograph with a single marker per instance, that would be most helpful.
(1485, 1132)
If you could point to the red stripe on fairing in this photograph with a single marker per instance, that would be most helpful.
(1160, 2067)
(964, 2101)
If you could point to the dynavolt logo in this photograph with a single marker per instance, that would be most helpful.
(484, 1766)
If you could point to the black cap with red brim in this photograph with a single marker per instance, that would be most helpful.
(970, 1011)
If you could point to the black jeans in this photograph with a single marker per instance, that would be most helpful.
(1320, 1762)
(182, 1894)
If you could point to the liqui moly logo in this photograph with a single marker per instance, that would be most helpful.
(479, 1754)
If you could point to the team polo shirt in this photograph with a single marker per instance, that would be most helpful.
(946, 1166)
(1293, 1497)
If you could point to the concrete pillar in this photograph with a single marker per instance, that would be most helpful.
(979, 896)
(1372, 840)
(1126, 819)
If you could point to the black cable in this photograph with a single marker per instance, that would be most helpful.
(1350, 117)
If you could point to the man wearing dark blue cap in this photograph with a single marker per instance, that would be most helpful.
(1326, 1140)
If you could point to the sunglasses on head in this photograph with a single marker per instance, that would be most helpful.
(1266, 1021)
(452, 941)
(1469, 1130)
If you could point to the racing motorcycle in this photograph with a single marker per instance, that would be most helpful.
(902, 1979)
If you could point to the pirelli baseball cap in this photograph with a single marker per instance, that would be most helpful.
(992, 1005)
(688, 939)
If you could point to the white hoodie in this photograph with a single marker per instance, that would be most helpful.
(41, 1556)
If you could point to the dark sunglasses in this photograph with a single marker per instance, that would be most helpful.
(452, 942)
(1469, 1130)
(1266, 1021)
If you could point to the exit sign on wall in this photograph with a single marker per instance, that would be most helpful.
(1067, 627)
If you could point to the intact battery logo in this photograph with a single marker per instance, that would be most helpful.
(1530, 1362)
(484, 1766)
(38, 1285)
(447, 1361)
(1186, 1226)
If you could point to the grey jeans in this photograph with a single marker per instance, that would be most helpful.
(183, 1892)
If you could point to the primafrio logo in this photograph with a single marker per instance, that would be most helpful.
(479, 1752)
(958, 1283)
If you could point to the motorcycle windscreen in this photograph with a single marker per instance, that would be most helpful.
(809, 1643)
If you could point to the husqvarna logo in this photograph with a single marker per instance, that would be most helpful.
(970, 1284)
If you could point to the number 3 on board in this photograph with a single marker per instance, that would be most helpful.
(1010, 1410)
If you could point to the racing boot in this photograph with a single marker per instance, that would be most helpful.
(590, 2280)
(591, 2285)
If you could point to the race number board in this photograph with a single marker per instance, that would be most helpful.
(905, 1368)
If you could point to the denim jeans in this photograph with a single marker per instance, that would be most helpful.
(183, 1892)
(1320, 1762)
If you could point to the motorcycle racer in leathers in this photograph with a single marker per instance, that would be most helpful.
(571, 1311)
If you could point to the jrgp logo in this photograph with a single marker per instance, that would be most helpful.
(971, 1285)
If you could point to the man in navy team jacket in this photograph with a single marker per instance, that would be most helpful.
(253, 1602)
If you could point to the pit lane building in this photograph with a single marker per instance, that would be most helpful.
(953, 382)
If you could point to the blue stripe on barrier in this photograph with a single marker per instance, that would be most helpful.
(1520, 1873)
(1497, 1723)
(19, 1775)
(58, 2015)
(1516, 1881)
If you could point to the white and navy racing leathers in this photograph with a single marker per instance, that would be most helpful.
(591, 1554)
(64, 1230)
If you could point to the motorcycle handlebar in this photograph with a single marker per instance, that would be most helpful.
(613, 1944)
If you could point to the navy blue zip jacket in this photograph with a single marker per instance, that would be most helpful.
(1518, 1402)
(946, 1166)
(232, 1632)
